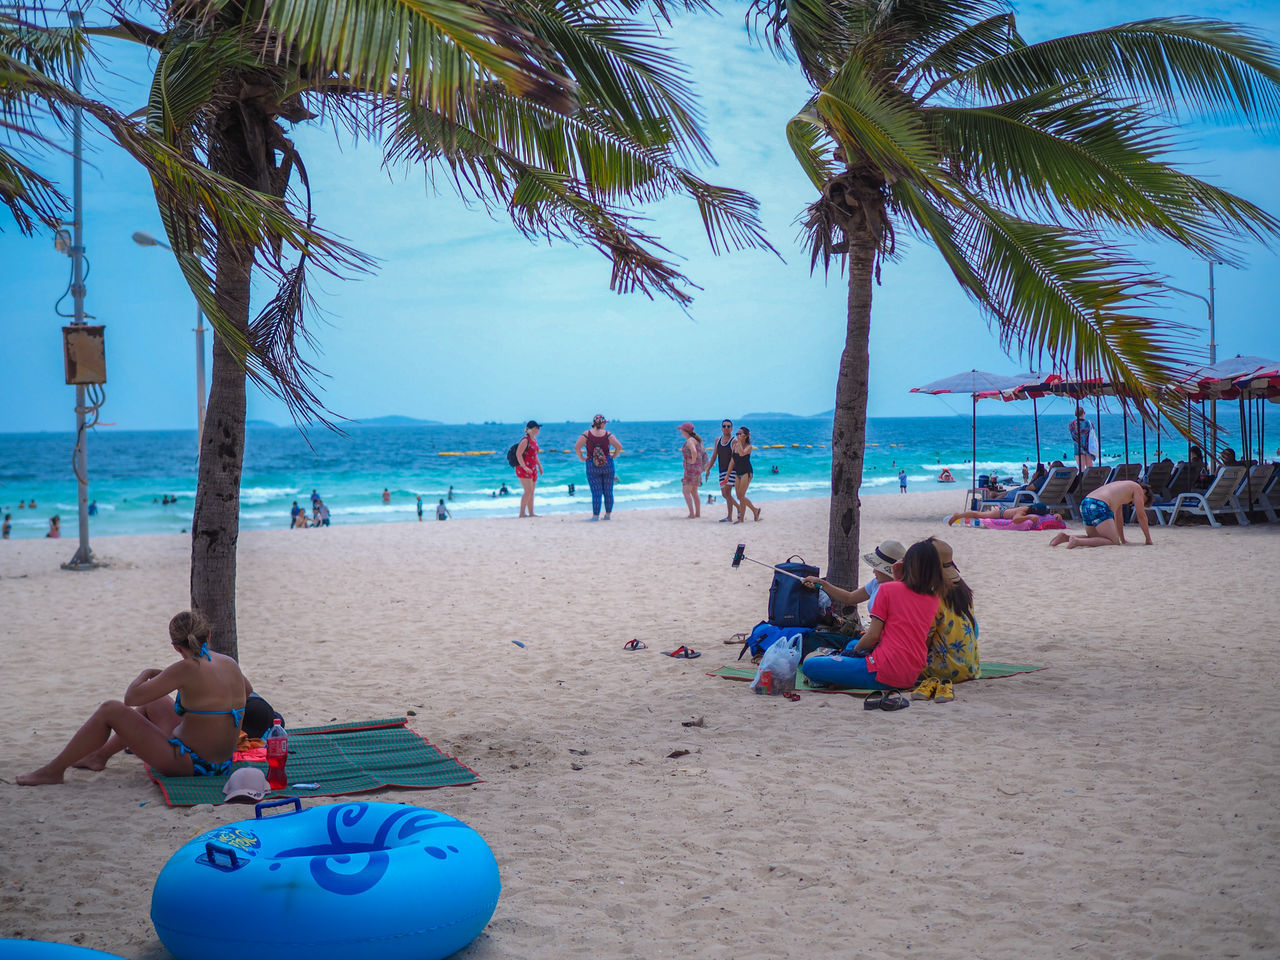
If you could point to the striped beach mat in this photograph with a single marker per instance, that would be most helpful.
(990, 671)
(353, 757)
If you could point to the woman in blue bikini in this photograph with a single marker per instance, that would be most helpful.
(192, 739)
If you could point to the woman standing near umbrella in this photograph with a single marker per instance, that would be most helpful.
(597, 448)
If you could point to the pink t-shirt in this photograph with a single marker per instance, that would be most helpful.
(903, 648)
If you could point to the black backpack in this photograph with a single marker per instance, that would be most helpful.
(791, 603)
(511, 454)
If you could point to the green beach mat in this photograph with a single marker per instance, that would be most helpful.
(990, 671)
(343, 758)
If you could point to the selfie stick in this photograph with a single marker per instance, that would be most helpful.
(741, 554)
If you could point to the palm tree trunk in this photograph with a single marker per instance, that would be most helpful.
(237, 151)
(849, 429)
(215, 527)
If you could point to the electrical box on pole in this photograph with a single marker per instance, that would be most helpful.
(84, 354)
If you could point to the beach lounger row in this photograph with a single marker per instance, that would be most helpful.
(1235, 491)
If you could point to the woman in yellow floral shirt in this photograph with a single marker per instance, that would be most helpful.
(953, 640)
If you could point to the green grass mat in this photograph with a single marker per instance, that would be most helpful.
(343, 758)
(990, 671)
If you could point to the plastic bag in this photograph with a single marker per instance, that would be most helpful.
(777, 672)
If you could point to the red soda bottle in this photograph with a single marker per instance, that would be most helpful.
(277, 753)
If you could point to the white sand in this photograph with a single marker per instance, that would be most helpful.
(1122, 803)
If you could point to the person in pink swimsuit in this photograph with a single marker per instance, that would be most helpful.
(528, 466)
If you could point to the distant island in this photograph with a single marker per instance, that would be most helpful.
(262, 423)
(395, 420)
(789, 416)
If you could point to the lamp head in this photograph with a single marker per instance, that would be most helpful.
(144, 239)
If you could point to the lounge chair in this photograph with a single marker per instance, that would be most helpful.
(1220, 498)
(1090, 480)
(1053, 492)
(1183, 479)
(1259, 493)
(1125, 471)
(1157, 478)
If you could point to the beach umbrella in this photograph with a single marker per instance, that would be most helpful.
(977, 384)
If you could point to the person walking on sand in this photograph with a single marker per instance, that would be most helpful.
(722, 460)
(693, 456)
(442, 512)
(192, 739)
(1103, 515)
(8, 526)
(741, 451)
(902, 481)
(597, 448)
(1085, 440)
(528, 466)
(419, 508)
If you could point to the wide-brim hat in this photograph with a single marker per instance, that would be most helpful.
(883, 557)
(949, 572)
(246, 785)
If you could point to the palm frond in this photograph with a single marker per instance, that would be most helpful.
(31, 198)
(1207, 65)
(508, 141)
(1072, 298)
(186, 75)
(811, 146)
(876, 123)
(817, 33)
(428, 50)
(973, 44)
(625, 76)
(1094, 162)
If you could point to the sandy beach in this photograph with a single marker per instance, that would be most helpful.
(1121, 803)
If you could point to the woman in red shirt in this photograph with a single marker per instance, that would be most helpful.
(528, 466)
(895, 648)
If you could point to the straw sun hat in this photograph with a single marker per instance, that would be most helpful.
(885, 556)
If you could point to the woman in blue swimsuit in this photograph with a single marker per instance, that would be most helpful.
(179, 740)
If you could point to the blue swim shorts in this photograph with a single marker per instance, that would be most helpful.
(1094, 512)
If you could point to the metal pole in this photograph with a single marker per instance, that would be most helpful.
(1035, 418)
(973, 463)
(201, 394)
(83, 557)
(1213, 358)
(1124, 412)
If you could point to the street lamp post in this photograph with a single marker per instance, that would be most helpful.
(1213, 343)
(143, 239)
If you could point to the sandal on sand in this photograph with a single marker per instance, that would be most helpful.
(684, 653)
(736, 639)
(893, 700)
(873, 701)
(635, 645)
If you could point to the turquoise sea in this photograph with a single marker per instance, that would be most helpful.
(130, 472)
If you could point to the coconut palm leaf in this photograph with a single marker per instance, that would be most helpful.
(432, 51)
(1210, 66)
(1096, 162)
(811, 145)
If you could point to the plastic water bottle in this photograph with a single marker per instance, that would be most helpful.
(277, 753)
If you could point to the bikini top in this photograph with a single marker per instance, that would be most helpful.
(235, 714)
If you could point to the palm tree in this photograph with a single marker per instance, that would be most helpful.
(562, 111)
(1021, 163)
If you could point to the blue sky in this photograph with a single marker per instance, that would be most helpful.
(465, 320)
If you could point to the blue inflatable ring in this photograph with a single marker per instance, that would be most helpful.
(43, 950)
(329, 883)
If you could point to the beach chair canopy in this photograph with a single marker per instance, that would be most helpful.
(1228, 379)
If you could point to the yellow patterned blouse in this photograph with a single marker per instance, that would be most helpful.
(953, 647)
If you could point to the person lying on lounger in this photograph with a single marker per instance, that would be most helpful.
(1103, 515)
(1015, 514)
(195, 738)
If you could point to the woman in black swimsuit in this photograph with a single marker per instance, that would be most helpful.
(741, 451)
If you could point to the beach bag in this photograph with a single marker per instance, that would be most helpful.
(791, 603)
(511, 454)
(777, 672)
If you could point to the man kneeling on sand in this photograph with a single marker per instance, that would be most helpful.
(1103, 515)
